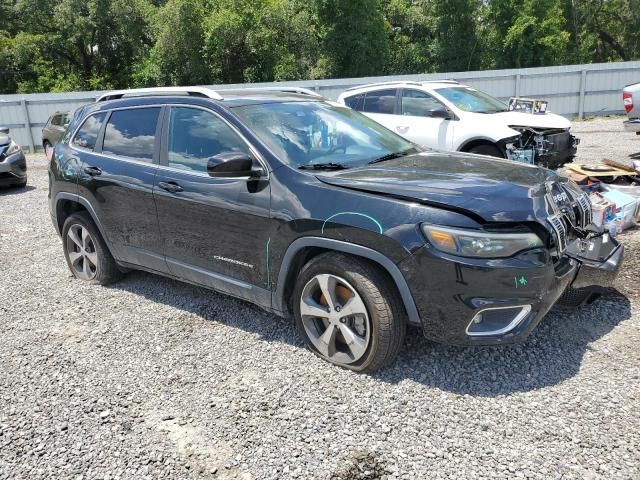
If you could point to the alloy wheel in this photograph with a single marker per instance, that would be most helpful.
(335, 319)
(82, 252)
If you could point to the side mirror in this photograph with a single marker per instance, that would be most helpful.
(445, 114)
(231, 164)
(4, 130)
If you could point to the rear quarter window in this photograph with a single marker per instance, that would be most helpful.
(355, 101)
(87, 134)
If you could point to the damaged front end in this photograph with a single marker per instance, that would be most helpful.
(544, 147)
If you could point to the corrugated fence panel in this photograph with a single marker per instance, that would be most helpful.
(600, 85)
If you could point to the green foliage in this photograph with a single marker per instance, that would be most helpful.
(58, 45)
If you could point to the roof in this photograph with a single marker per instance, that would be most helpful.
(405, 83)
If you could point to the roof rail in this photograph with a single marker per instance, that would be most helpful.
(300, 90)
(158, 91)
(455, 82)
(402, 82)
(393, 82)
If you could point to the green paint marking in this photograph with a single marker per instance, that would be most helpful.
(523, 281)
(515, 279)
(267, 262)
(358, 214)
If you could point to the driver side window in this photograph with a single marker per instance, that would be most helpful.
(196, 135)
(419, 104)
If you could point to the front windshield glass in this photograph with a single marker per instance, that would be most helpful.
(312, 133)
(471, 100)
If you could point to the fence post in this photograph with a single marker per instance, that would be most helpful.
(583, 86)
(518, 76)
(27, 125)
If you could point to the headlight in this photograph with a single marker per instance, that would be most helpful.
(474, 243)
(13, 148)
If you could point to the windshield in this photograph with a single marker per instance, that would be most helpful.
(313, 133)
(471, 100)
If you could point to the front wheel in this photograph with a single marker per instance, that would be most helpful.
(348, 312)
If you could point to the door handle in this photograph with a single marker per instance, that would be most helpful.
(92, 171)
(171, 187)
(402, 129)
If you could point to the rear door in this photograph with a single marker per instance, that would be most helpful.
(418, 123)
(215, 230)
(381, 106)
(117, 179)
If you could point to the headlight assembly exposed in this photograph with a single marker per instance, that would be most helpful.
(13, 148)
(479, 244)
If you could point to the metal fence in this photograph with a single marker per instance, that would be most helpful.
(572, 90)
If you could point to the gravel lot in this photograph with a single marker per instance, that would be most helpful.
(151, 378)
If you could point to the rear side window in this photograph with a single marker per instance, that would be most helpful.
(196, 135)
(382, 101)
(132, 133)
(55, 120)
(356, 102)
(88, 132)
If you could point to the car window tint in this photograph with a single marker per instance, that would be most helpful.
(55, 120)
(382, 101)
(356, 102)
(419, 104)
(131, 133)
(88, 132)
(196, 135)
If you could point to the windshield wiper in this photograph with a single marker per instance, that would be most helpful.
(392, 156)
(323, 166)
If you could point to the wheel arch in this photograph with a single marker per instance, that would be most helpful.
(478, 141)
(304, 249)
(68, 203)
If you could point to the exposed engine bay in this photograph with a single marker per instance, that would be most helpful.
(544, 147)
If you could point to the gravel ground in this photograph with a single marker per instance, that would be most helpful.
(150, 378)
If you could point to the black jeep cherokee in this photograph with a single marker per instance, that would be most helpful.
(307, 208)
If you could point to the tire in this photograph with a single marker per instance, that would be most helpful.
(489, 150)
(377, 325)
(88, 257)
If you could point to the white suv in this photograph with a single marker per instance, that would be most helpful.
(446, 115)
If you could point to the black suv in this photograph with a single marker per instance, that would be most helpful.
(307, 208)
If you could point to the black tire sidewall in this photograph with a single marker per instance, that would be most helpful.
(328, 265)
(104, 256)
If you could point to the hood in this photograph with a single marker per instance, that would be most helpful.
(489, 189)
(547, 120)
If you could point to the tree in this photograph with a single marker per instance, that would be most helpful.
(356, 36)
(176, 57)
(458, 46)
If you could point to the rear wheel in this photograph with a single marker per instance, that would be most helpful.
(87, 255)
(348, 312)
(490, 150)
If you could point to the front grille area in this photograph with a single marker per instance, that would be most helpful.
(568, 210)
(585, 211)
(560, 229)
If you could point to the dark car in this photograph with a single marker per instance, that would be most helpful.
(309, 209)
(13, 164)
(53, 130)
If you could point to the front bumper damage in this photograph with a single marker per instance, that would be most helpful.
(550, 148)
(501, 301)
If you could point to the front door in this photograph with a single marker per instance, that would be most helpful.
(418, 121)
(215, 230)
